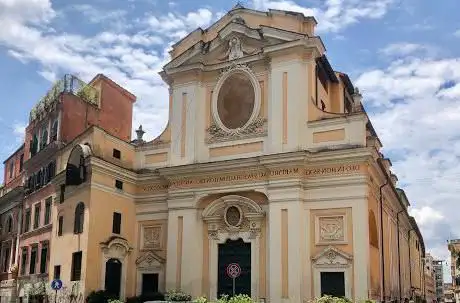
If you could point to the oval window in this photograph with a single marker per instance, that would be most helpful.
(235, 101)
(233, 216)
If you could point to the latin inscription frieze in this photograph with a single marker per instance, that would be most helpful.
(256, 175)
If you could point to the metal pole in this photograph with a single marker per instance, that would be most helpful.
(233, 286)
(55, 296)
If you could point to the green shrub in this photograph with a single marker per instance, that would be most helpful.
(100, 296)
(177, 296)
(236, 299)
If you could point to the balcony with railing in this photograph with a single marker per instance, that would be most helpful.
(69, 84)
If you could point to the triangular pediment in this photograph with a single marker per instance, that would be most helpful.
(149, 259)
(234, 41)
(332, 257)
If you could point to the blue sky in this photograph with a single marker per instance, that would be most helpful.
(404, 55)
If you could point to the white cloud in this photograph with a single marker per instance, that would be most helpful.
(403, 49)
(457, 33)
(415, 108)
(19, 130)
(334, 15)
(48, 75)
(177, 26)
(426, 215)
(27, 11)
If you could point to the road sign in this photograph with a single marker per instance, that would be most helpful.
(56, 284)
(233, 270)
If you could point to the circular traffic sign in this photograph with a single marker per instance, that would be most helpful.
(56, 284)
(233, 270)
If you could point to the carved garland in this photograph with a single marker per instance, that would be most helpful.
(219, 219)
(256, 128)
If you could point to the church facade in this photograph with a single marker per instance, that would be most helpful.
(269, 161)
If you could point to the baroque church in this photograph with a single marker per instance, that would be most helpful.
(269, 161)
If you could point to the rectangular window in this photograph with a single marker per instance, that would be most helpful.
(57, 272)
(116, 153)
(76, 266)
(37, 216)
(27, 221)
(11, 169)
(21, 162)
(6, 259)
(48, 210)
(44, 258)
(33, 260)
(149, 284)
(60, 225)
(119, 184)
(24, 260)
(62, 194)
(116, 226)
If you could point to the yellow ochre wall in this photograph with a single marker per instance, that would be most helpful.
(103, 205)
(63, 246)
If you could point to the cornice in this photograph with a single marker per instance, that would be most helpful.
(37, 231)
(112, 191)
(265, 162)
(101, 166)
(337, 120)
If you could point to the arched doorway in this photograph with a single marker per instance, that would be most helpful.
(113, 277)
(234, 251)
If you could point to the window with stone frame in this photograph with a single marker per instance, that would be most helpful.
(76, 266)
(27, 221)
(57, 272)
(9, 224)
(116, 223)
(24, 255)
(33, 259)
(54, 131)
(21, 162)
(44, 139)
(37, 212)
(48, 210)
(60, 225)
(11, 169)
(6, 258)
(34, 146)
(79, 218)
(44, 258)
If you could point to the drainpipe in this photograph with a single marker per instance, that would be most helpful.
(399, 255)
(410, 261)
(316, 84)
(382, 251)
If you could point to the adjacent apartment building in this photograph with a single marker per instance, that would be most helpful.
(67, 110)
(430, 282)
(11, 198)
(439, 279)
(454, 247)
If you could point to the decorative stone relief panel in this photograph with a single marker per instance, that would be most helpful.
(152, 237)
(150, 260)
(332, 257)
(331, 229)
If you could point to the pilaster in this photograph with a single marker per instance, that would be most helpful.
(287, 109)
(184, 246)
(286, 236)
